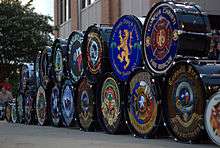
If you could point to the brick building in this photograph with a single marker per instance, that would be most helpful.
(72, 15)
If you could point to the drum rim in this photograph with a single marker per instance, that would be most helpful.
(69, 53)
(217, 94)
(140, 59)
(158, 118)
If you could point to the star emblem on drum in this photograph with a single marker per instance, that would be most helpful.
(123, 55)
(141, 101)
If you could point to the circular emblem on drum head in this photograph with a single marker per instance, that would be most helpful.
(55, 106)
(142, 104)
(160, 39)
(185, 100)
(94, 52)
(58, 63)
(212, 118)
(67, 103)
(75, 55)
(125, 46)
(85, 107)
(110, 104)
(41, 106)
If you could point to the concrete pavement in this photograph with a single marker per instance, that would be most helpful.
(29, 136)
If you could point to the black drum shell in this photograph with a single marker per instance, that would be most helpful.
(103, 34)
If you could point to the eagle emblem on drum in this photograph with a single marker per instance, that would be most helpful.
(123, 56)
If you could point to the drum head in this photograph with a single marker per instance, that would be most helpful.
(93, 54)
(20, 108)
(8, 113)
(110, 106)
(75, 55)
(55, 106)
(68, 103)
(212, 118)
(185, 102)
(41, 106)
(160, 38)
(125, 46)
(28, 109)
(142, 106)
(85, 105)
(58, 64)
(13, 113)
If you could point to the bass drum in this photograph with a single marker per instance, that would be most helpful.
(45, 66)
(55, 106)
(86, 105)
(171, 29)
(109, 106)
(14, 115)
(125, 50)
(95, 50)
(41, 106)
(212, 118)
(185, 102)
(74, 60)
(68, 103)
(20, 108)
(143, 110)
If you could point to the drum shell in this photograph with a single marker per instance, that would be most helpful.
(103, 65)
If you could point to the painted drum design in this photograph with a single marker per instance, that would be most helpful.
(85, 107)
(58, 63)
(185, 100)
(28, 108)
(55, 106)
(68, 103)
(20, 108)
(75, 62)
(142, 105)
(160, 39)
(125, 46)
(212, 118)
(41, 106)
(110, 105)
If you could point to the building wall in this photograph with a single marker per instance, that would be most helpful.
(108, 11)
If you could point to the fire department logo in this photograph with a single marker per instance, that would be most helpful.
(160, 39)
(125, 46)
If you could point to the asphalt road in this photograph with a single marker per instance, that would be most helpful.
(28, 136)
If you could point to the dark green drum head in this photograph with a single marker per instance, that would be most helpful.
(111, 105)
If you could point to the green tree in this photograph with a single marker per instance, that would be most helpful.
(23, 33)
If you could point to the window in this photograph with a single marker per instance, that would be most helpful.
(61, 12)
(86, 3)
(69, 9)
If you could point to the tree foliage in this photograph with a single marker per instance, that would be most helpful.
(23, 32)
